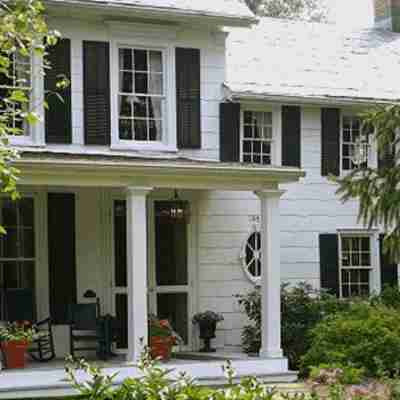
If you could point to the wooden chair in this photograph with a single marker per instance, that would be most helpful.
(19, 305)
(87, 330)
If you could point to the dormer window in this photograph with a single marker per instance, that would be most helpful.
(141, 98)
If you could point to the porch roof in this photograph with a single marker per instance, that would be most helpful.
(46, 168)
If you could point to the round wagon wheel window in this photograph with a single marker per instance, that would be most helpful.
(251, 257)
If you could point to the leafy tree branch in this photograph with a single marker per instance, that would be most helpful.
(378, 189)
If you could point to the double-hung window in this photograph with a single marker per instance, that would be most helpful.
(141, 99)
(355, 265)
(354, 143)
(257, 137)
(19, 78)
(17, 247)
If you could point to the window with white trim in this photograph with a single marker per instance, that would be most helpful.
(256, 145)
(355, 265)
(19, 78)
(17, 247)
(251, 256)
(141, 99)
(353, 134)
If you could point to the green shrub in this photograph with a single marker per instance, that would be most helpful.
(157, 383)
(390, 297)
(337, 373)
(365, 336)
(302, 308)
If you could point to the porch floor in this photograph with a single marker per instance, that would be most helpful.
(49, 380)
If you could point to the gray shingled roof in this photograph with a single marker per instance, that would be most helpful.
(214, 8)
(300, 59)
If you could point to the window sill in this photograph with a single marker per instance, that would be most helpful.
(143, 147)
(24, 142)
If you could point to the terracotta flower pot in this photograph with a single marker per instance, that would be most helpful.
(14, 352)
(161, 347)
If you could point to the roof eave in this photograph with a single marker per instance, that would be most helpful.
(310, 100)
(161, 173)
(157, 12)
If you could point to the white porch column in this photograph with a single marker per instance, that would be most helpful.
(271, 274)
(137, 270)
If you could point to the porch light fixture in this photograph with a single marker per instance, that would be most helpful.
(174, 210)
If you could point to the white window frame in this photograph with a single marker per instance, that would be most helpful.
(254, 279)
(35, 133)
(276, 151)
(168, 139)
(37, 290)
(371, 161)
(374, 269)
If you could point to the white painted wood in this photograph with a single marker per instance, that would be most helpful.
(167, 37)
(270, 277)
(43, 383)
(137, 270)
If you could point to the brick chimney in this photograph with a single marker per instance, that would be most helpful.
(387, 14)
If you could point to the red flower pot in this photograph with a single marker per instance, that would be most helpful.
(161, 347)
(14, 352)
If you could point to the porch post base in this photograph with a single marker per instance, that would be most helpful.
(271, 353)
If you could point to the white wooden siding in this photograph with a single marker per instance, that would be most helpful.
(212, 69)
(224, 219)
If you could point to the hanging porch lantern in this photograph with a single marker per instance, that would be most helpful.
(174, 210)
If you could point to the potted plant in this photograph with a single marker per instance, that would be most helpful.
(207, 322)
(15, 339)
(162, 338)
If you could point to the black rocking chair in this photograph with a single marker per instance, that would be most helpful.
(89, 329)
(19, 305)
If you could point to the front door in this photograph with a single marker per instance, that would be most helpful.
(170, 286)
(169, 273)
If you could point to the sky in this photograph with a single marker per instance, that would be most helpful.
(351, 13)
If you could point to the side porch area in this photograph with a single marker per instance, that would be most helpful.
(96, 230)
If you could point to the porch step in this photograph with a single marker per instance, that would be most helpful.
(217, 356)
(51, 383)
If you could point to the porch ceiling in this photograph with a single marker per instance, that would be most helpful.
(118, 171)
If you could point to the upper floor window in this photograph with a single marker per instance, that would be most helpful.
(257, 137)
(19, 78)
(354, 143)
(355, 265)
(140, 95)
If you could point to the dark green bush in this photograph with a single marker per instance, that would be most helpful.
(302, 308)
(365, 336)
(390, 297)
(337, 373)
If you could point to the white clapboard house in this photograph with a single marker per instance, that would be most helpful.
(188, 163)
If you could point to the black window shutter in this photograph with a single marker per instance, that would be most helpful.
(291, 136)
(329, 262)
(96, 88)
(188, 98)
(386, 158)
(330, 141)
(58, 120)
(389, 273)
(61, 248)
(229, 132)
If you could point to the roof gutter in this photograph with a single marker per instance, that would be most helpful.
(159, 12)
